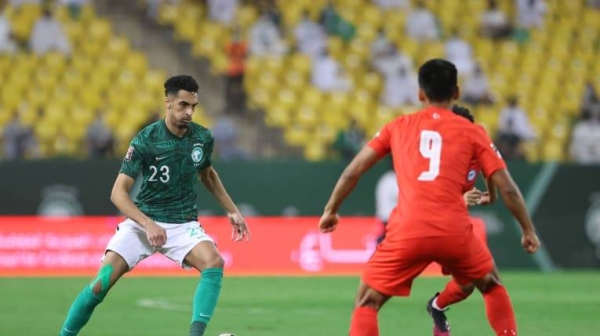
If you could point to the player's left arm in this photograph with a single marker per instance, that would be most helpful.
(212, 182)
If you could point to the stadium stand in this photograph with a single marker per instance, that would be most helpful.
(548, 71)
(59, 95)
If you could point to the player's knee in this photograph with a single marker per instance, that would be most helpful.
(371, 298)
(215, 261)
(467, 289)
(101, 284)
(488, 282)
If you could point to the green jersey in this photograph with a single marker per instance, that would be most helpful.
(169, 167)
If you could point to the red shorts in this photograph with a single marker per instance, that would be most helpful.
(396, 263)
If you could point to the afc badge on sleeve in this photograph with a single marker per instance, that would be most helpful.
(129, 153)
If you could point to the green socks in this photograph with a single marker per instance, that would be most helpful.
(80, 312)
(205, 299)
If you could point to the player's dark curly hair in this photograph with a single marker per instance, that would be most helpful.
(181, 82)
(463, 112)
(438, 79)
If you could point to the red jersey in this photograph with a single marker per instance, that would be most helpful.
(433, 150)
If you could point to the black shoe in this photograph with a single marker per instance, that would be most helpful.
(441, 327)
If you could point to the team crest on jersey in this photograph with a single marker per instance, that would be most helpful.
(197, 154)
(495, 149)
(129, 153)
(471, 176)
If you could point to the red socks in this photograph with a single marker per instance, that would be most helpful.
(364, 322)
(450, 295)
(500, 312)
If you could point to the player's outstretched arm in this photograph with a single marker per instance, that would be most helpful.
(120, 197)
(512, 197)
(364, 160)
(212, 182)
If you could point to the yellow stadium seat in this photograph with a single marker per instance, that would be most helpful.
(118, 47)
(56, 62)
(287, 98)
(99, 31)
(553, 151)
(296, 135)
(315, 152)
(295, 80)
(137, 63)
(312, 97)
(301, 63)
(167, 14)
(278, 116)
(307, 116)
(325, 133)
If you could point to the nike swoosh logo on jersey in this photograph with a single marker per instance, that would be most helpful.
(158, 158)
(199, 144)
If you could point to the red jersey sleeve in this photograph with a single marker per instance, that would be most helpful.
(381, 141)
(489, 158)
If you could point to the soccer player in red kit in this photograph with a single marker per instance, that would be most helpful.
(432, 152)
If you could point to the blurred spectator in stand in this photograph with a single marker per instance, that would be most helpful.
(226, 139)
(590, 101)
(48, 35)
(236, 50)
(391, 61)
(400, 89)
(8, 45)
(459, 52)
(19, 141)
(392, 4)
(513, 129)
(349, 141)
(335, 24)
(530, 13)
(595, 4)
(74, 7)
(310, 36)
(328, 75)
(265, 39)
(585, 139)
(494, 22)
(422, 24)
(100, 139)
(222, 11)
(476, 89)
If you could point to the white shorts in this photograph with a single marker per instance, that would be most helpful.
(131, 244)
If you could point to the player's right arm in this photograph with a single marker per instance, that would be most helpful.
(378, 147)
(494, 167)
(119, 196)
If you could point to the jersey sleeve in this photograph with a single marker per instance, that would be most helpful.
(381, 141)
(210, 144)
(488, 156)
(134, 159)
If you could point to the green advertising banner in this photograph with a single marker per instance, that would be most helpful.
(563, 200)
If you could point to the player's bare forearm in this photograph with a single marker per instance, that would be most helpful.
(121, 199)
(349, 178)
(492, 190)
(512, 197)
(212, 182)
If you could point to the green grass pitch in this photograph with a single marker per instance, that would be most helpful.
(545, 304)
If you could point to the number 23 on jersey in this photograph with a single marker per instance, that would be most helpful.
(159, 174)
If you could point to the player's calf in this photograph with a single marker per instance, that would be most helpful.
(93, 294)
(364, 317)
(206, 259)
(498, 307)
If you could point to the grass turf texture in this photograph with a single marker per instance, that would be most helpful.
(545, 304)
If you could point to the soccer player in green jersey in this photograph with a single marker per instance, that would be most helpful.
(170, 154)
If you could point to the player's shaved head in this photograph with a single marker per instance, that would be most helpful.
(438, 80)
(182, 82)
